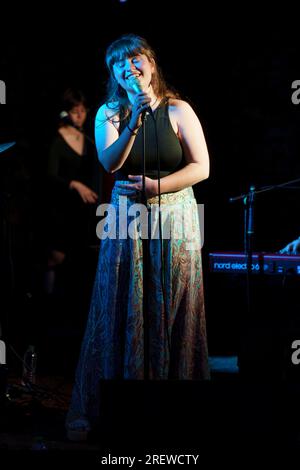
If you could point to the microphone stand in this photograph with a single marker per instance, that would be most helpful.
(146, 252)
(248, 237)
(146, 264)
(248, 201)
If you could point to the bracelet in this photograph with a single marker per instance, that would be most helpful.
(131, 131)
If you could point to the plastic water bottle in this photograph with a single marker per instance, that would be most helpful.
(29, 366)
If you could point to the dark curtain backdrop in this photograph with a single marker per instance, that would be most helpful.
(233, 65)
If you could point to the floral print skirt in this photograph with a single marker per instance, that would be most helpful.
(113, 343)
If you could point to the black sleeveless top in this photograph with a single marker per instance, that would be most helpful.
(168, 146)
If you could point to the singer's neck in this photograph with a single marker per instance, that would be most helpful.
(154, 103)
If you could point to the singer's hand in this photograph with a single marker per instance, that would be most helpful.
(292, 248)
(131, 189)
(87, 195)
(141, 103)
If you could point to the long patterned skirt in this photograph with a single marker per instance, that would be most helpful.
(113, 344)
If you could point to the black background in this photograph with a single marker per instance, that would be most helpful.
(235, 65)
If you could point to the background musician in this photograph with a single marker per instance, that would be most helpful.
(292, 248)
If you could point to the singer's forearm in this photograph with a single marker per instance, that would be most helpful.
(191, 174)
(114, 156)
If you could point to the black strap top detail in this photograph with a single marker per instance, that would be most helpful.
(169, 149)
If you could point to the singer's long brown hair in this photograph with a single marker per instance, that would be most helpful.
(128, 46)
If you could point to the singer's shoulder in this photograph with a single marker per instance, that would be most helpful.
(178, 104)
(180, 108)
(107, 112)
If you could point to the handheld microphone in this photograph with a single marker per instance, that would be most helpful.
(137, 88)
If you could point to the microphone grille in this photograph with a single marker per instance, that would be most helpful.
(135, 83)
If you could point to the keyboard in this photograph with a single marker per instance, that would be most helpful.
(267, 263)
